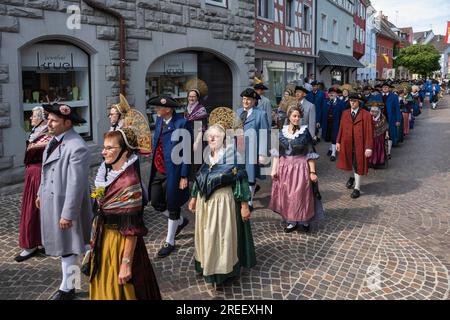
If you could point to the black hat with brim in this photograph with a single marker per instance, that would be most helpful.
(332, 90)
(260, 86)
(64, 111)
(301, 88)
(388, 85)
(163, 101)
(250, 93)
(355, 96)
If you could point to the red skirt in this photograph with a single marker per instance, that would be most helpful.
(30, 224)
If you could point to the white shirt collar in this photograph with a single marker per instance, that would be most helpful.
(249, 112)
(355, 110)
(168, 120)
(59, 138)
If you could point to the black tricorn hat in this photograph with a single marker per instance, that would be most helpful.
(250, 93)
(163, 101)
(63, 111)
(302, 89)
(260, 86)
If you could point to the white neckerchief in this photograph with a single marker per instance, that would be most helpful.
(377, 117)
(220, 153)
(291, 136)
(168, 120)
(112, 175)
(37, 132)
(191, 108)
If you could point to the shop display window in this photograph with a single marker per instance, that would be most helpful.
(56, 71)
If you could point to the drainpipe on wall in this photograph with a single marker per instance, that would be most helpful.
(122, 39)
(315, 38)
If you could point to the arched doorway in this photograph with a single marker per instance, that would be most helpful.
(170, 73)
(56, 70)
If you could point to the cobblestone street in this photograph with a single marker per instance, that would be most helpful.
(391, 243)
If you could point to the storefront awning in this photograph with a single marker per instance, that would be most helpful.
(338, 60)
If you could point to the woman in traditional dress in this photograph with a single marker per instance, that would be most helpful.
(293, 172)
(406, 109)
(196, 112)
(120, 266)
(30, 226)
(413, 99)
(380, 135)
(220, 195)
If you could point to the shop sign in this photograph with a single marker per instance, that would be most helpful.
(53, 58)
(174, 68)
(53, 62)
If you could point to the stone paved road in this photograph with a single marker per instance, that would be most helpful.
(392, 243)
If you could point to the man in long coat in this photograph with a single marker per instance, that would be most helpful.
(355, 142)
(63, 196)
(264, 102)
(331, 120)
(317, 98)
(308, 110)
(168, 187)
(256, 132)
(392, 114)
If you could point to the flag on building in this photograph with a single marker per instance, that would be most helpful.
(447, 37)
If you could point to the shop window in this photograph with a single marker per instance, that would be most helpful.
(336, 77)
(174, 74)
(56, 71)
(278, 74)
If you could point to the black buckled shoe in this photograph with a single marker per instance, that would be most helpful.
(292, 228)
(329, 153)
(63, 295)
(333, 158)
(257, 188)
(350, 183)
(181, 227)
(165, 250)
(20, 258)
(355, 194)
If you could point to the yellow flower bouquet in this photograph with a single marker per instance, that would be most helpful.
(98, 193)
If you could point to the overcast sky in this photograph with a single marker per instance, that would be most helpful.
(422, 15)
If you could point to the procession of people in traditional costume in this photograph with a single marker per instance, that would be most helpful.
(62, 215)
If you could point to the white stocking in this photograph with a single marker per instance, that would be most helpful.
(67, 266)
(173, 225)
(333, 150)
(357, 181)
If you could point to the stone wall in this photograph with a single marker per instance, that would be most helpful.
(143, 19)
